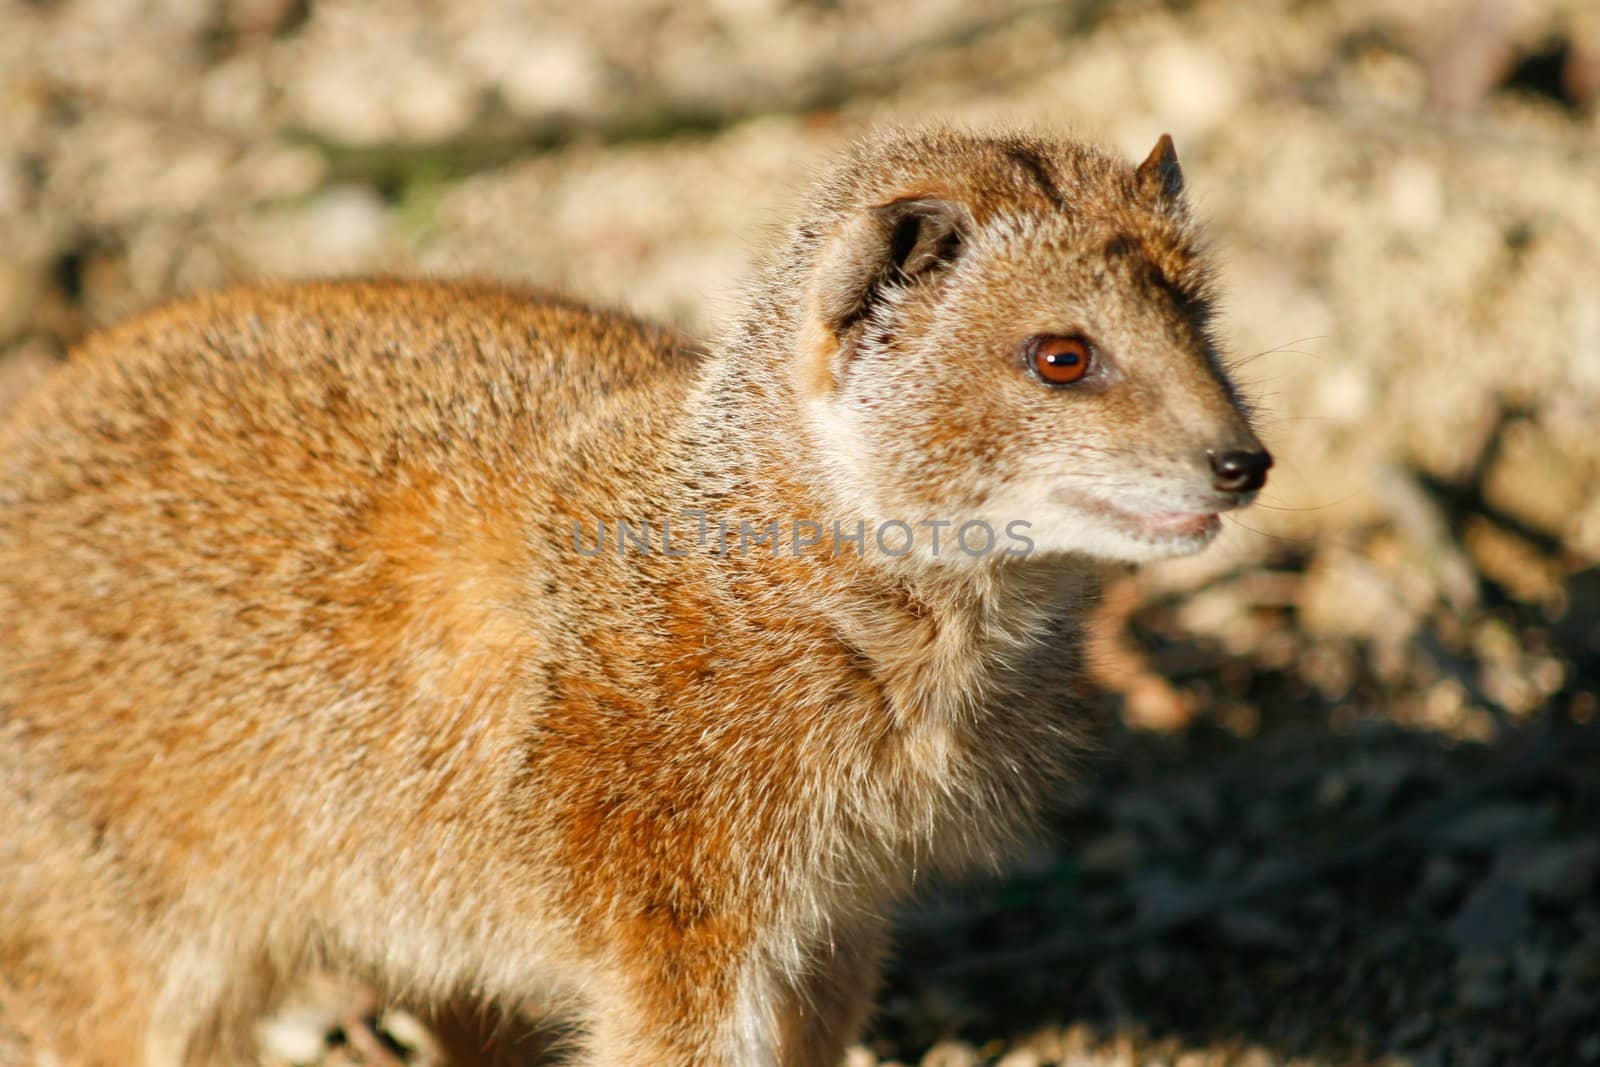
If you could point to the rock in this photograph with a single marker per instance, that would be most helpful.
(1333, 790)
(1046, 1043)
(1255, 930)
(1414, 1031)
(1415, 195)
(1111, 855)
(1256, 1056)
(23, 368)
(1480, 982)
(300, 1036)
(1421, 520)
(1194, 86)
(1560, 873)
(411, 1034)
(859, 1056)
(1536, 480)
(21, 285)
(1152, 963)
(1381, 775)
(1511, 560)
(1152, 814)
(1344, 595)
(1531, 965)
(1197, 798)
(952, 1054)
(1493, 919)
(538, 74)
(368, 81)
(345, 229)
(1160, 896)
(1487, 826)
(1442, 878)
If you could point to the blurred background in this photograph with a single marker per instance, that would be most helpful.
(1344, 804)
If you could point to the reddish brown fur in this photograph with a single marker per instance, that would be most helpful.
(299, 663)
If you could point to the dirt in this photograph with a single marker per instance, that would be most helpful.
(1343, 803)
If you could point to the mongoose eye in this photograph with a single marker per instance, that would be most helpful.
(1059, 360)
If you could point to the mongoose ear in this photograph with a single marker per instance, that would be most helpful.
(1159, 177)
(923, 234)
(881, 247)
(873, 252)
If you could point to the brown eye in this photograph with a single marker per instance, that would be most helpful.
(1060, 360)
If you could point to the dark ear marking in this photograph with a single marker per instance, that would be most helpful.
(881, 247)
(923, 234)
(1028, 158)
(872, 253)
(1188, 295)
(1190, 302)
(1120, 246)
(1159, 177)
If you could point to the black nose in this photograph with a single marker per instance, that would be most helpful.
(1239, 472)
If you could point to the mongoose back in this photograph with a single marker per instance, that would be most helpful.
(494, 646)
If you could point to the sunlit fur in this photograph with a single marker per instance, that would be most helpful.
(299, 664)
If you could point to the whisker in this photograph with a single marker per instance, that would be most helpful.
(1245, 361)
(1265, 501)
(1275, 537)
(1304, 507)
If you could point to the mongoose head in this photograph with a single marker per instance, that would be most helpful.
(1010, 328)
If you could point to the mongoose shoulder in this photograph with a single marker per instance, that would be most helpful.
(494, 645)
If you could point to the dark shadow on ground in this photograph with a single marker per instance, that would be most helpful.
(1299, 873)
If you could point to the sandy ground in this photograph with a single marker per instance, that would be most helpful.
(1366, 828)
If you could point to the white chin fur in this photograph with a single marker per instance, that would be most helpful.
(1092, 535)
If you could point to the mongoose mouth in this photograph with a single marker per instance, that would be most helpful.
(1181, 524)
(1159, 533)
(1169, 529)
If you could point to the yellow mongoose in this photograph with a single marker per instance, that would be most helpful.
(495, 646)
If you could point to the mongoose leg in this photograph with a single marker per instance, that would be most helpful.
(737, 1016)
(678, 1013)
(829, 1006)
(60, 1011)
(92, 1002)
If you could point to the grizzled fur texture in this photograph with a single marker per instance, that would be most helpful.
(299, 665)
